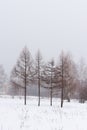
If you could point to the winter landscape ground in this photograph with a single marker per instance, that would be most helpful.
(15, 116)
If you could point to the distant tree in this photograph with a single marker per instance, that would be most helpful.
(82, 70)
(38, 71)
(21, 75)
(3, 79)
(82, 80)
(83, 93)
(48, 77)
(70, 77)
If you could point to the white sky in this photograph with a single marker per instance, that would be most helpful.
(50, 25)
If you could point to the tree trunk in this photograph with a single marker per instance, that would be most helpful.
(62, 97)
(39, 91)
(25, 95)
(25, 83)
(62, 85)
(51, 96)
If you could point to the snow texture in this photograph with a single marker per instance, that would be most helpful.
(15, 116)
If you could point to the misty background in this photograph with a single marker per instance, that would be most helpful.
(50, 25)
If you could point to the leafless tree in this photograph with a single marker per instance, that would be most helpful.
(38, 71)
(21, 75)
(48, 77)
(65, 73)
(82, 78)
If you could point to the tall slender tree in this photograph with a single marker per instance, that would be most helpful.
(38, 71)
(62, 76)
(21, 75)
(65, 73)
(59, 74)
(48, 77)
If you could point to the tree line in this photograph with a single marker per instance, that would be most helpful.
(63, 79)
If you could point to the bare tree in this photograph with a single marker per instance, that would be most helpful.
(21, 75)
(70, 77)
(48, 77)
(62, 77)
(38, 71)
(65, 72)
(82, 78)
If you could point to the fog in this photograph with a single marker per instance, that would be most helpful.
(50, 25)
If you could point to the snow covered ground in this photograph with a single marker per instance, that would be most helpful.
(15, 116)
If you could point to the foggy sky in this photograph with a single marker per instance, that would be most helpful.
(50, 25)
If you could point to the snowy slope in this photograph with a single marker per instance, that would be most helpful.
(15, 116)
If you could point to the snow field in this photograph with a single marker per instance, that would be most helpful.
(15, 116)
